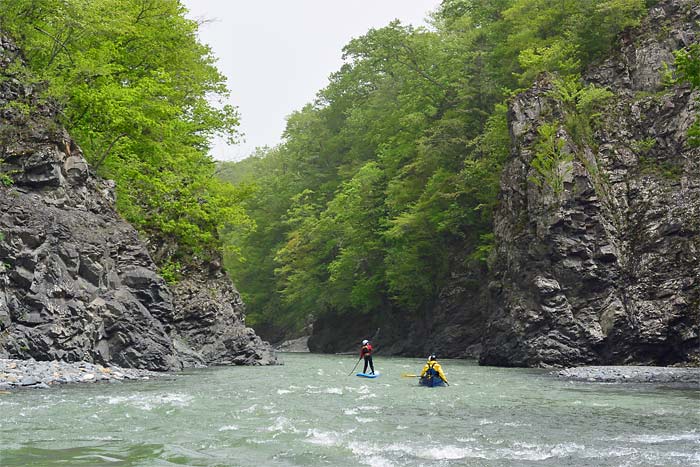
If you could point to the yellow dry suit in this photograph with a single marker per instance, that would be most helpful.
(433, 368)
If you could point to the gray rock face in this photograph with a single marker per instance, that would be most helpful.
(209, 317)
(298, 345)
(76, 282)
(606, 269)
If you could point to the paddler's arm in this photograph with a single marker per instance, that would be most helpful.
(440, 372)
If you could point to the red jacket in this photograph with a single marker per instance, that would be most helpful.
(366, 350)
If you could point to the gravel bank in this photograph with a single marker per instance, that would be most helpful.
(632, 374)
(42, 375)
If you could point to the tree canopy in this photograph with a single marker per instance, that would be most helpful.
(386, 184)
(142, 97)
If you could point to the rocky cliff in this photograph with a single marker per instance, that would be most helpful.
(598, 260)
(76, 281)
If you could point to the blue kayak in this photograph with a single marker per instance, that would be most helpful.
(367, 375)
(431, 381)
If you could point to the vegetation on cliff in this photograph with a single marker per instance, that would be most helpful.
(135, 87)
(385, 185)
(688, 70)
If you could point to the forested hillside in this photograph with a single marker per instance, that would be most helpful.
(137, 91)
(384, 187)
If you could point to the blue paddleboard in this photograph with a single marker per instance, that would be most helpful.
(367, 375)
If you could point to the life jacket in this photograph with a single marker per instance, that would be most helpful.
(431, 370)
(366, 350)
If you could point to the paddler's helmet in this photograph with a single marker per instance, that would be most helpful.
(432, 357)
(365, 342)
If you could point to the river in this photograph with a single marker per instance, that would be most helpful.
(309, 412)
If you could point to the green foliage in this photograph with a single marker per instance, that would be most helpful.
(643, 146)
(688, 65)
(5, 178)
(387, 183)
(564, 35)
(694, 134)
(688, 70)
(354, 214)
(650, 165)
(483, 251)
(550, 162)
(21, 111)
(581, 106)
(171, 271)
(135, 85)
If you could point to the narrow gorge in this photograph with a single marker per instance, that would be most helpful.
(594, 255)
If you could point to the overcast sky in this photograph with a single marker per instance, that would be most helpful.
(277, 54)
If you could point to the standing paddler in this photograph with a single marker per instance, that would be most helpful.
(366, 353)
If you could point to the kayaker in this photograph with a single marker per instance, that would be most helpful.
(432, 368)
(366, 353)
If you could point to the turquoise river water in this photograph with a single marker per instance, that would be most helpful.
(309, 412)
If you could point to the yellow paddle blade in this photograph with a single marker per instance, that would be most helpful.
(408, 375)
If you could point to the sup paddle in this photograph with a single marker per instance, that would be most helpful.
(409, 375)
(353, 368)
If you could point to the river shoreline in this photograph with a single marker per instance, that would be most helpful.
(33, 374)
(632, 374)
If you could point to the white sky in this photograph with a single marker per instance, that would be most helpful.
(277, 54)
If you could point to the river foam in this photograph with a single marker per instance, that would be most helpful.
(149, 402)
(251, 417)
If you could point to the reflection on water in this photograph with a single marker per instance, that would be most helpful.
(309, 412)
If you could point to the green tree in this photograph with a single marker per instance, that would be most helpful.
(135, 87)
(688, 70)
(386, 184)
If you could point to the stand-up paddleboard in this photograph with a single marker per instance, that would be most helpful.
(367, 375)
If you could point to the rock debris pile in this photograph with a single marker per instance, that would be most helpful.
(34, 374)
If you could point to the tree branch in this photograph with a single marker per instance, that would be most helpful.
(106, 152)
(57, 42)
